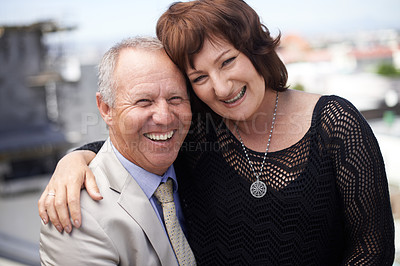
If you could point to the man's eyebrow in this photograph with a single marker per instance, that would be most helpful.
(140, 94)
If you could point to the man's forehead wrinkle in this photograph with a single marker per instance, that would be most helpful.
(147, 77)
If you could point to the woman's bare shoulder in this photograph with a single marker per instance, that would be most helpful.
(300, 102)
(295, 111)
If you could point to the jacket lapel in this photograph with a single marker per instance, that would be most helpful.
(133, 200)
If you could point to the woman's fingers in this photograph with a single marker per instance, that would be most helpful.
(42, 208)
(60, 201)
(73, 197)
(51, 211)
(60, 204)
(91, 186)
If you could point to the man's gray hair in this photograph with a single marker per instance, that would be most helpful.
(107, 83)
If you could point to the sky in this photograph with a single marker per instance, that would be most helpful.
(103, 21)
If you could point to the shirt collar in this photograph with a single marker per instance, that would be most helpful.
(147, 181)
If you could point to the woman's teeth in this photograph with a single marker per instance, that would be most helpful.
(165, 136)
(237, 97)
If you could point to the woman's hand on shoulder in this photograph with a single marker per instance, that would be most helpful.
(61, 197)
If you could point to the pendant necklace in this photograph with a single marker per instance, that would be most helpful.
(258, 189)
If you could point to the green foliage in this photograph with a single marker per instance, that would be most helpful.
(298, 87)
(388, 70)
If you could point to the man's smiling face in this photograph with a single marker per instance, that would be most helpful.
(151, 114)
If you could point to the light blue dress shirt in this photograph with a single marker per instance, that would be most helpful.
(149, 182)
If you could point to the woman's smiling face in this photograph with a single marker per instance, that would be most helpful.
(226, 80)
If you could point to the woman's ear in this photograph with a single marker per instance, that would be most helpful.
(105, 110)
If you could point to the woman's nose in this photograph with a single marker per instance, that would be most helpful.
(222, 87)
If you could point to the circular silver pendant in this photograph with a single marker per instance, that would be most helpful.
(258, 189)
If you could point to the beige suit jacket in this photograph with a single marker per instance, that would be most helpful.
(121, 229)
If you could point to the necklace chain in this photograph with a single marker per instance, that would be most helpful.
(268, 142)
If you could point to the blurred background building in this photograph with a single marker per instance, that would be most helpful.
(46, 107)
(48, 56)
(33, 140)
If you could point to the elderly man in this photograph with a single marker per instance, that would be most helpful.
(143, 99)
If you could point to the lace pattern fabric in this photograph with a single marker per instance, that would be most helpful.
(327, 201)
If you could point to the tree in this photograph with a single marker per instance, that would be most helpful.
(388, 70)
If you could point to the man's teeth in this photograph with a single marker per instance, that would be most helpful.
(165, 136)
(237, 97)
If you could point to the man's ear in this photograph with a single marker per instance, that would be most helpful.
(105, 110)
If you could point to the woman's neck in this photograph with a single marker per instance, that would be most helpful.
(261, 120)
(255, 130)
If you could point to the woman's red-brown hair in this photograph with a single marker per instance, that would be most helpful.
(185, 25)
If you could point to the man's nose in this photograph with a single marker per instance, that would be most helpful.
(162, 114)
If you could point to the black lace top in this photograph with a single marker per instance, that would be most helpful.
(327, 201)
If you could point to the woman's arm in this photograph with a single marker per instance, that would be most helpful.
(71, 174)
(363, 186)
